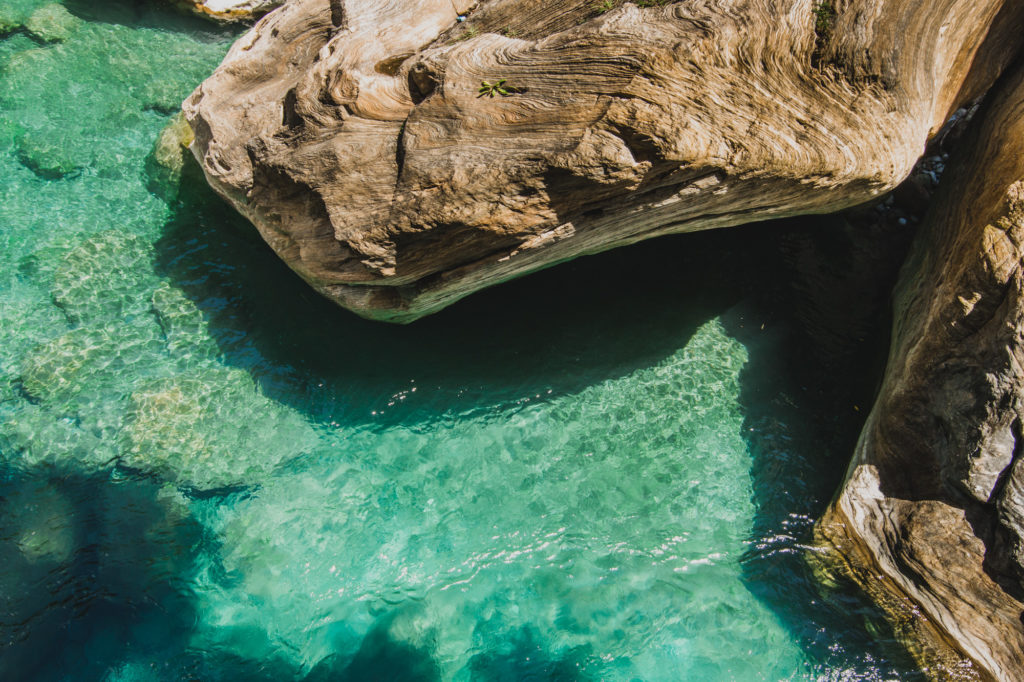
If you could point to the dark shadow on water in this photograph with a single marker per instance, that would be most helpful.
(523, 657)
(554, 333)
(380, 657)
(148, 14)
(817, 338)
(93, 569)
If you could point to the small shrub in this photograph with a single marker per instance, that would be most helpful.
(824, 24)
(470, 32)
(488, 89)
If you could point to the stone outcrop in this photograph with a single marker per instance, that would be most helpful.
(230, 10)
(931, 517)
(362, 139)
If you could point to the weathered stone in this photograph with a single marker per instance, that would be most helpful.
(230, 10)
(930, 518)
(372, 148)
(373, 160)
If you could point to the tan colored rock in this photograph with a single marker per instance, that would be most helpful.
(354, 136)
(230, 10)
(931, 517)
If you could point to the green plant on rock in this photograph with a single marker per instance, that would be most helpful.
(824, 23)
(605, 6)
(470, 32)
(488, 89)
(824, 19)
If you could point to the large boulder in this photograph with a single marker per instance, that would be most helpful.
(402, 154)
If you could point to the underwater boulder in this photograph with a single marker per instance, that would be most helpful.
(167, 160)
(46, 157)
(35, 436)
(40, 265)
(100, 278)
(52, 23)
(14, 13)
(183, 325)
(88, 360)
(209, 429)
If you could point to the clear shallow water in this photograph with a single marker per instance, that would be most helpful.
(208, 473)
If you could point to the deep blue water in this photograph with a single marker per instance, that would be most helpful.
(606, 471)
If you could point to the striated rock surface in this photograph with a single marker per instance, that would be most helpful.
(931, 517)
(230, 10)
(355, 136)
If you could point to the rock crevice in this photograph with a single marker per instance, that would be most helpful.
(933, 497)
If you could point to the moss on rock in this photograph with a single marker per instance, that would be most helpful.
(168, 158)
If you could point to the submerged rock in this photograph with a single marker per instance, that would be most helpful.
(99, 123)
(15, 13)
(35, 436)
(209, 429)
(52, 23)
(102, 277)
(167, 160)
(183, 324)
(88, 360)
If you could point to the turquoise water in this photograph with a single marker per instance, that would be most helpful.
(607, 471)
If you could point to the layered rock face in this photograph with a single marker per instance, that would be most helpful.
(230, 10)
(931, 517)
(368, 143)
